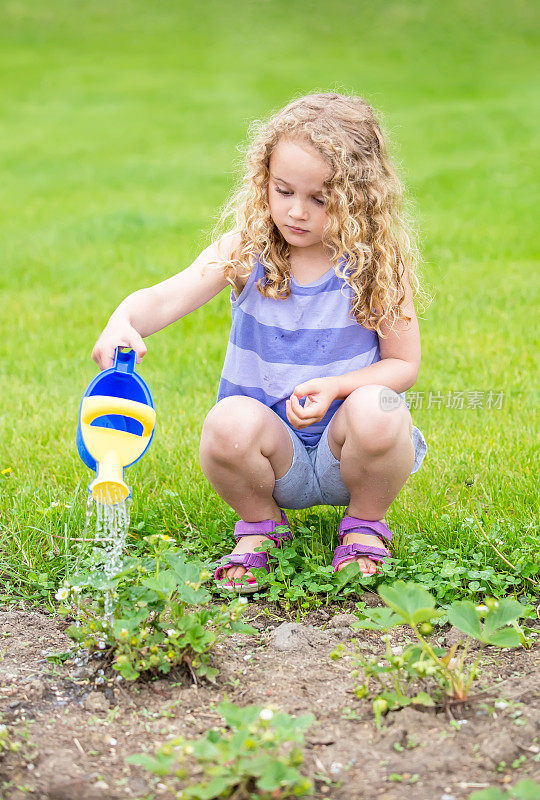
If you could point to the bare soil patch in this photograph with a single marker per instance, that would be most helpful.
(75, 724)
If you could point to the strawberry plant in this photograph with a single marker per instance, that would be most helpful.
(162, 615)
(256, 753)
(441, 674)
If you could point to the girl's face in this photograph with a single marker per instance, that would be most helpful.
(295, 193)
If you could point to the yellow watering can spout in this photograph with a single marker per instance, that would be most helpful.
(108, 487)
(114, 449)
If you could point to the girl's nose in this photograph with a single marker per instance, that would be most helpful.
(298, 210)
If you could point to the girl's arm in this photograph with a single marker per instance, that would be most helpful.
(149, 310)
(400, 355)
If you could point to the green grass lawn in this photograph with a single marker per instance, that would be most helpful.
(119, 127)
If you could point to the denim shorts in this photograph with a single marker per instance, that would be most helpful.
(314, 477)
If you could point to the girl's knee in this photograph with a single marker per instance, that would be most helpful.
(231, 427)
(376, 416)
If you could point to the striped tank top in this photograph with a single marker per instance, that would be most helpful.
(276, 344)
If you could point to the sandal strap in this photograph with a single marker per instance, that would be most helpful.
(347, 551)
(369, 527)
(257, 560)
(361, 549)
(266, 527)
(247, 560)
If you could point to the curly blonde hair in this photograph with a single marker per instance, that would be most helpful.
(368, 235)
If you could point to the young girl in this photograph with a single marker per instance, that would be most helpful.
(324, 338)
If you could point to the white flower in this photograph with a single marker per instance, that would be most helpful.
(62, 594)
(500, 704)
(242, 601)
(76, 589)
(172, 632)
(266, 714)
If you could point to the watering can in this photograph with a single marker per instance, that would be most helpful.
(116, 426)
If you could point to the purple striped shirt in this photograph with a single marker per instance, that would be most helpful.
(276, 344)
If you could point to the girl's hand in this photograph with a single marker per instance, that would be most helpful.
(123, 335)
(319, 393)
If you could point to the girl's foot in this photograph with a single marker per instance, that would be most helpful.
(233, 570)
(366, 565)
(247, 544)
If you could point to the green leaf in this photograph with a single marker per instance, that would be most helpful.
(165, 583)
(187, 594)
(75, 633)
(464, 616)
(526, 790)
(276, 775)
(243, 627)
(505, 637)
(378, 619)
(235, 716)
(132, 624)
(489, 794)
(346, 575)
(507, 611)
(215, 787)
(161, 765)
(410, 600)
(205, 750)
(423, 699)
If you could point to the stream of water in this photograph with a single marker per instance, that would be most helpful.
(110, 533)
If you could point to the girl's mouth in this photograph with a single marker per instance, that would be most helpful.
(296, 230)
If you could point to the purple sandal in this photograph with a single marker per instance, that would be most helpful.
(348, 552)
(276, 531)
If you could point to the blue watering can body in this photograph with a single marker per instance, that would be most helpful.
(123, 436)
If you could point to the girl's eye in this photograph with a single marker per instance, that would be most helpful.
(286, 194)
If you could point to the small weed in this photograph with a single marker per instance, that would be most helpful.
(6, 742)
(349, 713)
(518, 761)
(252, 754)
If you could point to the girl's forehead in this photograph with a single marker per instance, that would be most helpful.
(298, 163)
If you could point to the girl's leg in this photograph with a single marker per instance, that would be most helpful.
(376, 454)
(244, 448)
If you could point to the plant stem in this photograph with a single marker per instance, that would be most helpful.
(472, 672)
(427, 647)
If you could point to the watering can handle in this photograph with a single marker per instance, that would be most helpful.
(102, 405)
(124, 362)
